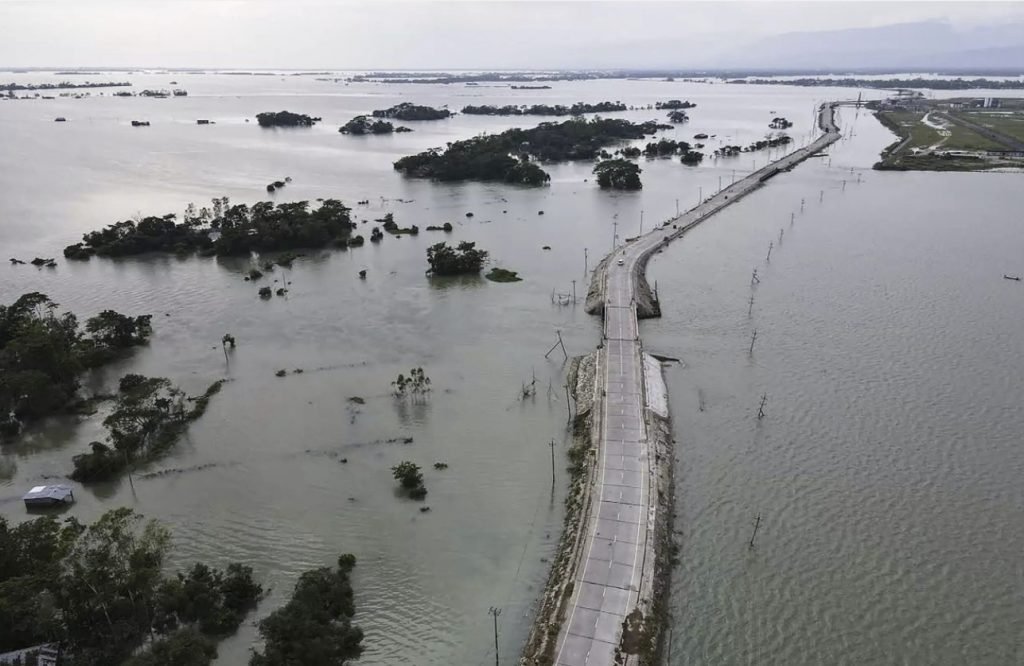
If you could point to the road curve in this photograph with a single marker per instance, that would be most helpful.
(619, 553)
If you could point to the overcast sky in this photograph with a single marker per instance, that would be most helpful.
(423, 34)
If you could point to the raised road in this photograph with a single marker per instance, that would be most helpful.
(616, 570)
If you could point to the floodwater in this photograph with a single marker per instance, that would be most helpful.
(887, 467)
(881, 471)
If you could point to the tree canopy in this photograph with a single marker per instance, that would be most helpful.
(99, 591)
(238, 230)
(507, 156)
(315, 627)
(618, 174)
(285, 119)
(460, 260)
(43, 352)
(410, 111)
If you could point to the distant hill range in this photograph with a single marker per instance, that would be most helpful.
(925, 46)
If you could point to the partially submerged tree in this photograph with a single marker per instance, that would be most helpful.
(618, 174)
(416, 385)
(410, 477)
(315, 627)
(462, 259)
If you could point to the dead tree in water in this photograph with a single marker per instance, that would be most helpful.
(760, 408)
(528, 390)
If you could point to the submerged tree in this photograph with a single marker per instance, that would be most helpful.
(618, 174)
(416, 385)
(315, 627)
(463, 259)
(410, 477)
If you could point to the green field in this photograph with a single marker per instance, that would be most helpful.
(1011, 124)
(911, 152)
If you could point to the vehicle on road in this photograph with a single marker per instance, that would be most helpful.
(621, 262)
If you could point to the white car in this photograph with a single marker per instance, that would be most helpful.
(621, 262)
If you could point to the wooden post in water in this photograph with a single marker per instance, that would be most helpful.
(757, 523)
(552, 445)
(753, 338)
(760, 408)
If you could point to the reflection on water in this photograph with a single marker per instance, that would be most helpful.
(287, 472)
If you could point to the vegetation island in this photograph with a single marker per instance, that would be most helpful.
(43, 354)
(926, 84)
(410, 111)
(509, 156)
(677, 117)
(577, 109)
(618, 174)
(285, 119)
(769, 142)
(465, 259)
(780, 123)
(227, 230)
(361, 125)
(63, 85)
(674, 104)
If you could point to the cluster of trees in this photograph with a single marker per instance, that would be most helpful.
(460, 260)
(618, 174)
(361, 125)
(507, 156)
(390, 226)
(99, 592)
(780, 123)
(410, 111)
(678, 117)
(285, 119)
(62, 85)
(665, 148)
(768, 142)
(315, 627)
(262, 227)
(149, 416)
(674, 104)
(42, 354)
(576, 109)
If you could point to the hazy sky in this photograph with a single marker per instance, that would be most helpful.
(424, 34)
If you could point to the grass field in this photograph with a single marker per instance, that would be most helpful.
(1011, 124)
(911, 151)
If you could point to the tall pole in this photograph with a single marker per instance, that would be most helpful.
(641, 222)
(495, 612)
(584, 261)
(615, 234)
(677, 207)
(700, 194)
(719, 183)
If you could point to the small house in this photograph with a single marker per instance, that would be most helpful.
(48, 496)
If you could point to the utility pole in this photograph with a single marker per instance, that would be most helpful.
(771, 244)
(719, 183)
(760, 408)
(496, 612)
(641, 222)
(574, 292)
(677, 207)
(615, 234)
(821, 196)
(585, 271)
(750, 305)
(733, 176)
(754, 279)
(753, 338)
(700, 194)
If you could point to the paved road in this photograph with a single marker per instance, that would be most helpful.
(609, 579)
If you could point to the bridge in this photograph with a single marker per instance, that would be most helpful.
(615, 578)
